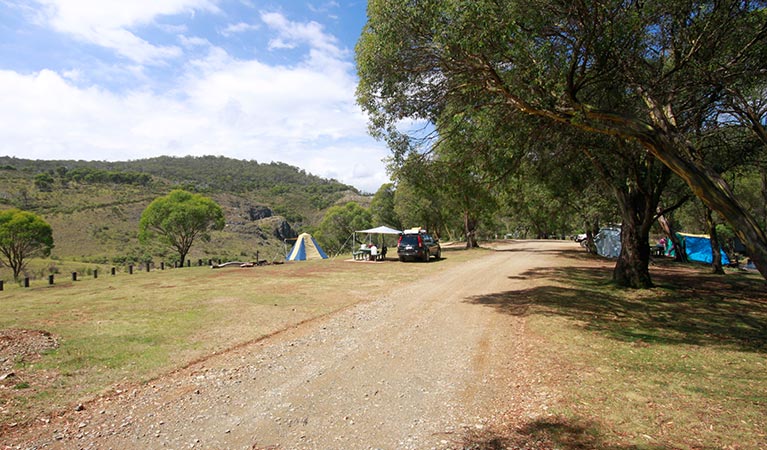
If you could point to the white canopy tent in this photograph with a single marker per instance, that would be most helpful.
(382, 230)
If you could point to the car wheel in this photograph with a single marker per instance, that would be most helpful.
(439, 254)
(426, 256)
(401, 259)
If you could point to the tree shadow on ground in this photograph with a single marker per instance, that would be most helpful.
(685, 308)
(543, 433)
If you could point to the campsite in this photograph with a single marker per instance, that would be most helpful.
(273, 354)
(383, 224)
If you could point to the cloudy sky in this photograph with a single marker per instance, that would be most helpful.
(120, 80)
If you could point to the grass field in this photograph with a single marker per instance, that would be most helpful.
(683, 365)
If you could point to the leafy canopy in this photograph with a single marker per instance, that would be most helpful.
(179, 218)
(23, 234)
(339, 223)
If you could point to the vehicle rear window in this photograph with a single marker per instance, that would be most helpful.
(409, 239)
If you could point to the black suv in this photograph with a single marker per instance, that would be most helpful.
(418, 246)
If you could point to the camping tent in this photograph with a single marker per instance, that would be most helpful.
(306, 248)
(608, 242)
(698, 248)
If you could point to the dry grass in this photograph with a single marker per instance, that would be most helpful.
(683, 365)
(130, 328)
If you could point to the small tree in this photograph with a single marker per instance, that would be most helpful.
(179, 218)
(23, 234)
(339, 223)
(382, 207)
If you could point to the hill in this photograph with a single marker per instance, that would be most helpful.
(94, 206)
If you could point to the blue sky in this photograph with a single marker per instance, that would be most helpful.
(249, 79)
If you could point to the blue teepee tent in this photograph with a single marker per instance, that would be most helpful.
(306, 248)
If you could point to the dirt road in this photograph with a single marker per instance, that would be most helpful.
(423, 367)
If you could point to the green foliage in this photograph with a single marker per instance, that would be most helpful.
(22, 235)
(416, 208)
(338, 225)
(382, 207)
(92, 176)
(95, 214)
(44, 182)
(179, 218)
(656, 73)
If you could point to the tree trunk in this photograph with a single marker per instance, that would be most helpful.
(716, 255)
(470, 229)
(591, 231)
(632, 269)
(680, 255)
(764, 194)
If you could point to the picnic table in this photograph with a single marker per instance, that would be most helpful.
(364, 254)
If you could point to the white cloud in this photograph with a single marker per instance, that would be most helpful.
(107, 23)
(302, 114)
(240, 27)
(241, 109)
(291, 34)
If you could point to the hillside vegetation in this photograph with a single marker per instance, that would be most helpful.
(94, 206)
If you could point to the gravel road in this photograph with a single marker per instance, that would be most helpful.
(423, 367)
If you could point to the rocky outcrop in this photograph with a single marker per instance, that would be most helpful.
(258, 212)
(280, 228)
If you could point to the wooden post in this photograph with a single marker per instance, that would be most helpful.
(1, 285)
(74, 276)
(189, 263)
(162, 265)
(199, 263)
(130, 269)
(50, 279)
(210, 262)
(113, 271)
(26, 282)
(147, 266)
(95, 273)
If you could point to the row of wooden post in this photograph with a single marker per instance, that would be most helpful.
(114, 271)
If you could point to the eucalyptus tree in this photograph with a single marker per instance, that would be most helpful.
(339, 224)
(382, 207)
(418, 205)
(23, 235)
(663, 64)
(179, 219)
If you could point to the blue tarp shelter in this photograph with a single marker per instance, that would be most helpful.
(698, 248)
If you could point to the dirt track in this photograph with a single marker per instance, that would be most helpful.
(427, 366)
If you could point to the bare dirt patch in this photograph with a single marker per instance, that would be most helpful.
(19, 346)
